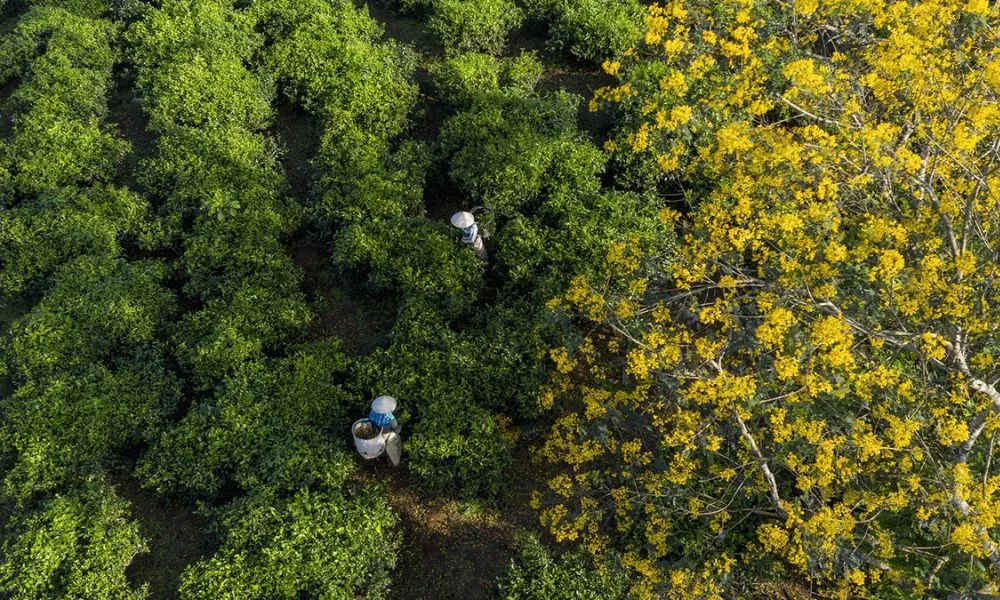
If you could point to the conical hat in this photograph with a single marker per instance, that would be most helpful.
(462, 219)
(384, 405)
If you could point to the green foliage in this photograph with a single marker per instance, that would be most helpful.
(361, 180)
(593, 30)
(502, 148)
(73, 546)
(279, 425)
(462, 78)
(327, 57)
(523, 72)
(434, 371)
(58, 138)
(416, 258)
(89, 369)
(474, 25)
(524, 157)
(535, 575)
(38, 236)
(314, 544)
(457, 446)
(509, 374)
(220, 181)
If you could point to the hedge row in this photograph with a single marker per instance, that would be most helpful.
(217, 178)
(61, 154)
(88, 373)
(272, 426)
(593, 30)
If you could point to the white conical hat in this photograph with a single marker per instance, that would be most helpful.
(384, 405)
(462, 219)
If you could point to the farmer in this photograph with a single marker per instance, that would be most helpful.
(381, 414)
(470, 232)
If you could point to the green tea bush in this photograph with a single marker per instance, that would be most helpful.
(90, 373)
(522, 73)
(59, 153)
(327, 57)
(597, 30)
(456, 445)
(280, 425)
(535, 575)
(73, 546)
(220, 182)
(518, 331)
(38, 236)
(500, 151)
(58, 138)
(360, 179)
(454, 442)
(525, 157)
(207, 92)
(311, 545)
(417, 258)
(462, 78)
(466, 78)
(474, 25)
(593, 30)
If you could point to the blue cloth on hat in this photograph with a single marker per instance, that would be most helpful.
(381, 420)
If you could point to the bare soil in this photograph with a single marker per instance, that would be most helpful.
(177, 537)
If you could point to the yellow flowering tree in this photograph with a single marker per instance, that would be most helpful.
(807, 389)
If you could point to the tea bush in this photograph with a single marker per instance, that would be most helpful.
(220, 182)
(474, 25)
(535, 575)
(458, 446)
(523, 72)
(59, 138)
(90, 372)
(73, 545)
(55, 164)
(462, 79)
(593, 30)
(278, 425)
(327, 58)
(416, 258)
(313, 544)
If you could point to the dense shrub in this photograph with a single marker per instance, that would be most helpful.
(90, 372)
(523, 72)
(462, 78)
(59, 146)
(524, 157)
(280, 425)
(516, 333)
(326, 56)
(535, 575)
(361, 180)
(474, 25)
(417, 258)
(38, 236)
(452, 440)
(220, 183)
(458, 446)
(593, 30)
(312, 545)
(501, 149)
(58, 137)
(73, 546)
